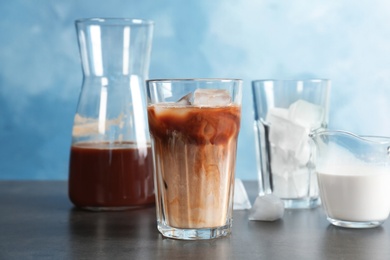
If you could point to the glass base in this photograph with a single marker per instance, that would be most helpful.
(194, 233)
(305, 203)
(352, 224)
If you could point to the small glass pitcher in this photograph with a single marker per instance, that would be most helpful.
(111, 165)
(354, 177)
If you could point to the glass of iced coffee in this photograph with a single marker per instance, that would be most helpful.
(194, 126)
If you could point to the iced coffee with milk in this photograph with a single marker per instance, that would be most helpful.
(194, 141)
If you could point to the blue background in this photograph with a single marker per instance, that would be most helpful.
(40, 73)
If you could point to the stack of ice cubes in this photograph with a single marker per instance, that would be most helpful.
(290, 148)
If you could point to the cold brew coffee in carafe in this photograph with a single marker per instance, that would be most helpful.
(110, 159)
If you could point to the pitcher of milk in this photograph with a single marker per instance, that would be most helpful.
(354, 177)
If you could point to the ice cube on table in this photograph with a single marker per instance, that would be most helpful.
(286, 134)
(211, 97)
(241, 200)
(267, 208)
(306, 114)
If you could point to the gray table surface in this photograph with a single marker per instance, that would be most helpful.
(37, 221)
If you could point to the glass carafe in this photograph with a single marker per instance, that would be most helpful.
(111, 166)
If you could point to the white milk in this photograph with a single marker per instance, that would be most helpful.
(355, 193)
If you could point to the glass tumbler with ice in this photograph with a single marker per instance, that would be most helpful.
(194, 125)
(286, 111)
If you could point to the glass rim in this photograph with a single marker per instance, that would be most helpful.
(195, 80)
(114, 21)
(292, 80)
(381, 140)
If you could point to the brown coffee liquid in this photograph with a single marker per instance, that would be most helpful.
(110, 175)
(195, 150)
